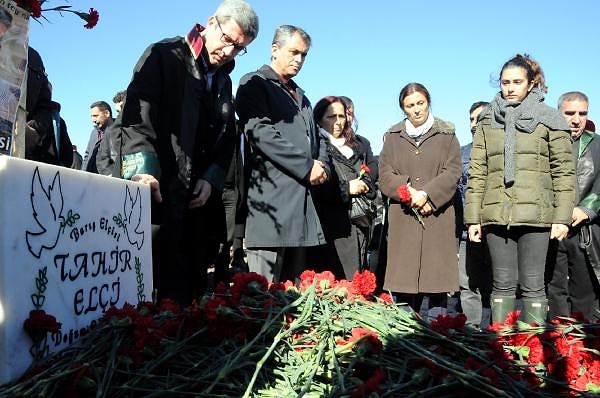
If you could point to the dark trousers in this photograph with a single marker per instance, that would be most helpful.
(415, 300)
(277, 264)
(474, 279)
(230, 197)
(183, 247)
(342, 256)
(572, 285)
(518, 257)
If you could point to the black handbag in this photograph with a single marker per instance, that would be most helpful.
(363, 211)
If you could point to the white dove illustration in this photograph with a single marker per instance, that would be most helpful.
(133, 218)
(47, 208)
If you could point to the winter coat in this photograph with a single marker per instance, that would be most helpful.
(333, 201)
(544, 189)
(284, 142)
(421, 259)
(91, 150)
(44, 124)
(171, 127)
(588, 190)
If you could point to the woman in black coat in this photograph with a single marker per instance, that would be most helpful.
(347, 239)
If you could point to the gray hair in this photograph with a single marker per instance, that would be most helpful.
(5, 18)
(241, 13)
(285, 32)
(572, 96)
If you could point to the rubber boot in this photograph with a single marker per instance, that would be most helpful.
(535, 310)
(501, 306)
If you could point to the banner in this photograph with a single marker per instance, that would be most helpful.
(14, 39)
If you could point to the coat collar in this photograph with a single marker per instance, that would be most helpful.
(584, 140)
(439, 126)
(195, 42)
(268, 73)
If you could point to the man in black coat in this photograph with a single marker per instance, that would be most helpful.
(574, 263)
(46, 136)
(101, 114)
(176, 133)
(288, 156)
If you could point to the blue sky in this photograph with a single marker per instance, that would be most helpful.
(367, 50)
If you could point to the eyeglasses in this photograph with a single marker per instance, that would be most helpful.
(241, 50)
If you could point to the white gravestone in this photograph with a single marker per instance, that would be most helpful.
(72, 244)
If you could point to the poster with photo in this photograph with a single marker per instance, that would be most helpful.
(14, 36)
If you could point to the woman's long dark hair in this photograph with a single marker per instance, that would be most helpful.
(320, 109)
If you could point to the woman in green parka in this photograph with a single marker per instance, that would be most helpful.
(521, 187)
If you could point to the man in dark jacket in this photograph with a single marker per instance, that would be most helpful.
(288, 157)
(101, 115)
(176, 133)
(474, 268)
(46, 136)
(574, 263)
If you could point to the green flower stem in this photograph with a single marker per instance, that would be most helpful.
(309, 298)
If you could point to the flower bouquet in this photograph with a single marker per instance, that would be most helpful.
(315, 338)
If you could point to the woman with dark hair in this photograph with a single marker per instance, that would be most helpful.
(521, 187)
(419, 168)
(345, 250)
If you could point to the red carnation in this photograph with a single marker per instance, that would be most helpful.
(365, 282)
(168, 305)
(367, 335)
(387, 298)
(403, 193)
(35, 8)
(39, 324)
(364, 169)
(92, 19)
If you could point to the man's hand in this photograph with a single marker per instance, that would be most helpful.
(579, 216)
(317, 173)
(201, 193)
(475, 233)
(357, 187)
(152, 182)
(559, 231)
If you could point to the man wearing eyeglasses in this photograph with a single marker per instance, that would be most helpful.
(176, 133)
(288, 157)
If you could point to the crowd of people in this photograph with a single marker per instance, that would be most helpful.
(508, 221)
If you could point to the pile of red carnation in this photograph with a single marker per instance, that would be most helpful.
(320, 337)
